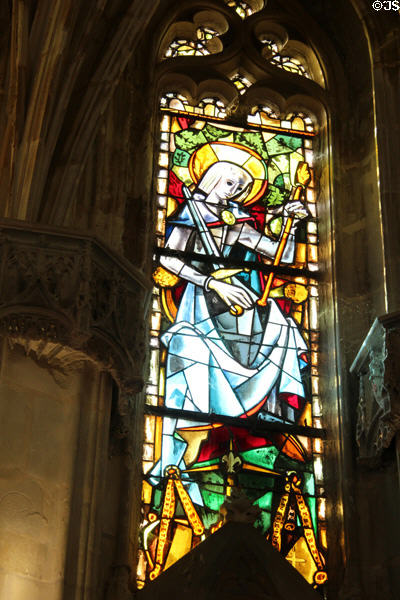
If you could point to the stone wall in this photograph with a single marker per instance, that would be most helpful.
(43, 428)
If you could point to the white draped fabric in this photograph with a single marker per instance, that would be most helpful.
(225, 364)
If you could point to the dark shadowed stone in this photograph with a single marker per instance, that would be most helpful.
(235, 563)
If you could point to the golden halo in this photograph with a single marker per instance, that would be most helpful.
(239, 155)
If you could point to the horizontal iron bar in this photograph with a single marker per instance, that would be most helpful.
(237, 124)
(245, 264)
(254, 424)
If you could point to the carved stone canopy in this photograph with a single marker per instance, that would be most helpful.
(66, 298)
(235, 563)
(377, 368)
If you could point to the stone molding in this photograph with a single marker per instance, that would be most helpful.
(66, 298)
(378, 410)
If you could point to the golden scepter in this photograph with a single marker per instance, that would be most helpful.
(302, 179)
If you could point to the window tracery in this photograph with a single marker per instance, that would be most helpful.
(199, 36)
(241, 82)
(197, 47)
(242, 8)
(293, 65)
(282, 60)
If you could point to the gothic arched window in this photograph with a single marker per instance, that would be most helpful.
(233, 409)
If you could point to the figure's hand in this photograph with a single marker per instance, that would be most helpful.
(231, 294)
(296, 209)
(303, 174)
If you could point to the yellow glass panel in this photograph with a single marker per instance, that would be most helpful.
(268, 135)
(298, 124)
(151, 400)
(267, 121)
(171, 206)
(305, 323)
(193, 439)
(181, 544)
(303, 280)
(158, 439)
(257, 185)
(175, 125)
(298, 315)
(209, 110)
(202, 159)
(300, 254)
(255, 167)
(186, 50)
(301, 559)
(312, 253)
(295, 158)
(146, 492)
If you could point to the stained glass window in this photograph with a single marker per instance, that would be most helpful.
(242, 8)
(241, 82)
(233, 397)
(187, 47)
(293, 65)
(284, 61)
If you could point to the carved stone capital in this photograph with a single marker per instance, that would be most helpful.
(376, 366)
(66, 298)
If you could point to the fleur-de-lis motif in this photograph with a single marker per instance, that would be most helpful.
(231, 460)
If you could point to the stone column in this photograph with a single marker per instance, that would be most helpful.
(72, 319)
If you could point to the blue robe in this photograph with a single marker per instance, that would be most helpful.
(225, 364)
